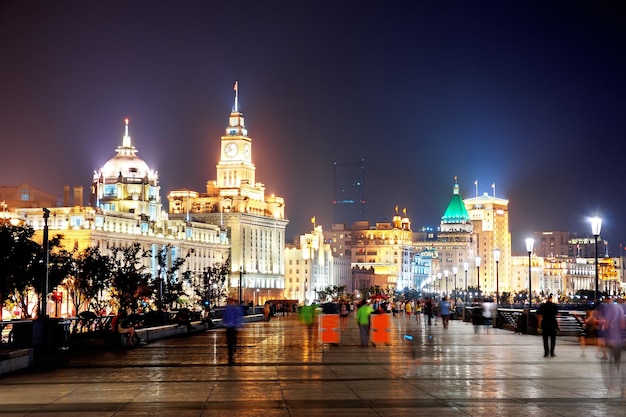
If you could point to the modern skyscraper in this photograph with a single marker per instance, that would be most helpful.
(348, 192)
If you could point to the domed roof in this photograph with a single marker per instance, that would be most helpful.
(8, 217)
(125, 164)
(456, 213)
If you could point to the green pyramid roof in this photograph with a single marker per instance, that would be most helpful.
(456, 211)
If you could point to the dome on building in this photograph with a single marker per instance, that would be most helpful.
(125, 165)
(8, 217)
(456, 213)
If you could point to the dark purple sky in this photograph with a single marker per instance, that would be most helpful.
(529, 95)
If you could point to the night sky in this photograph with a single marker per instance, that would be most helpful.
(529, 95)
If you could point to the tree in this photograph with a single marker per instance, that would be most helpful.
(332, 292)
(168, 284)
(19, 265)
(130, 281)
(213, 286)
(93, 274)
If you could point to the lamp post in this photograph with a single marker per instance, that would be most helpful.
(596, 226)
(240, 282)
(466, 267)
(530, 242)
(446, 273)
(46, 261)
(439, 283)
(454, 271)
(477, 260)
(496, 257)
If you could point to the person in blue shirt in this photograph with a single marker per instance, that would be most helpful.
(233, 320)
(444, 310)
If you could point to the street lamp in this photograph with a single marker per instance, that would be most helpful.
(465, 268)
(439, 284)
(477, 260)
(596, 226)
(46, 260)
(529, 248)
(240, 283)
(496, 257)
(446, 273)
(454, 271)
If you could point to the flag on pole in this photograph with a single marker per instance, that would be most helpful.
(313, 219)
(404, 211)
(236, 85)
(494, 188)
(396, 209)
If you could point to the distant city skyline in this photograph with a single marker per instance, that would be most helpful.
(528, 96)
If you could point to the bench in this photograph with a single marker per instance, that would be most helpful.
(14, 360)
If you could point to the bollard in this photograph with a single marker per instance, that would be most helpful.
(329, 327)
(381, 328)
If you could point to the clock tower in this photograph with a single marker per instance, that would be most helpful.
(253, 221)
(235, 166)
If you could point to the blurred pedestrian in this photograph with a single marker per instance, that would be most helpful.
(233, 320)
(363, 314)
(444, 309)
(489, 308)
(344, 312)
(589, 330)
(428, 310)
(613, 321)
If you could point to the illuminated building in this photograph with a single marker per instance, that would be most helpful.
(127, 210)
(379, 247)
(126, 184)
(311, 267)
(453, 246)
(490, 218)
(236, 202)
(348, 192)
(553, 244)
(455, 243)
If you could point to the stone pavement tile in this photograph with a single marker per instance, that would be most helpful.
(306, 373)
(327, 412)
(234, 390)
(249, 412)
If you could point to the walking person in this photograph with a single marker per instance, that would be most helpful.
(233, 320)
(344, 312)
(363, 314)
(444, 309)
(418, 312)
(428, 310)
(408, 309)
(547, 322)
(489, 308)
(613, 321)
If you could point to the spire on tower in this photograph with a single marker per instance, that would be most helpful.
(236, 88)
(126, 139)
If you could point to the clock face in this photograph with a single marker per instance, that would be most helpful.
(231, 149)
(246, 150)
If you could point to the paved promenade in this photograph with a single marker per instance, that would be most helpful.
(282, 371)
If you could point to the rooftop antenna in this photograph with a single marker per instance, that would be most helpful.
(236, 88)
